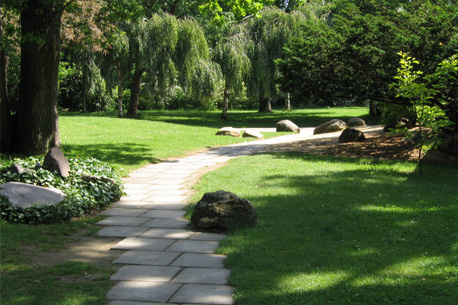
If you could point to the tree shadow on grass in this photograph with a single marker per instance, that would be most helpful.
(350, 236)
(127, 154)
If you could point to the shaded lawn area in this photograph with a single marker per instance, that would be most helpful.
(342, 231)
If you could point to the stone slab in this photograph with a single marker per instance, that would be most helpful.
(151, 258)
(25, 195)
(167, 223)
(193, 246)
(166, 198)
(202, 276)
(163, 192)
(171, 214)
(118, 231)
(200, 260)
(128, 186)
(155, 274)
(136, 243)
(125, 204)
(123, 212)
(134, 303)
(165, 206)
(142, 291)
(123, 221)
(165, 187)
(167, 233)
(167, 181)
(203, 294)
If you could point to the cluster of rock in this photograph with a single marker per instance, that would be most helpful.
(234, 132)
(221, 210)
(348, 134)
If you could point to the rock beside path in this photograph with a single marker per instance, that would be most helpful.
(330, 126)
(287, 126)
(252, 134)
(221, 210)
(228, 131)
(25, 195)
(351, 135)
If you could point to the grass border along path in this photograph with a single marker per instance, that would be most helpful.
(341, 231)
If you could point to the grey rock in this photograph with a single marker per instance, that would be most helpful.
(228, 131)
(25, 195)
(56, 162)
(221, 210)
(351, 135)
(288, 126)
(252, 134)
(398, 124)
(356, 122)
(17, 169)
(330, 126)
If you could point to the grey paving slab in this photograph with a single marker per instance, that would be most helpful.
(118, 231)
(194, 246)
(126, 204)
(167, 223)
(164, 205)
(200, 260)
(166, 198)
(167, 181)
(123, 221)
(208, 236)
(167, 233)
(151, 258)
(134, 303)
(132, 192)
(128, 186)
(142, 291)
(165, 187)
(134, 197)
(203, 294)
(153, 274)
(163, 192)
(123, 212)
(137, 243)
(164, 214)
(143, 174)
(136, 180)
(202, 276)
(167, 176)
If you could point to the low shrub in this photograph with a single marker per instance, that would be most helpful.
(81, 197)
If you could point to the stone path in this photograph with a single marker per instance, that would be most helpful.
(164, 262)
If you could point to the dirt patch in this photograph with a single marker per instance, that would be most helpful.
(378, 145)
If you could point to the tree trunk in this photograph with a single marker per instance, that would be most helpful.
(5, 115)
(37, 119)
(135, 92)
(225, 103)
(264, 105)
(119, 72)
(288, 102)
(84, 85)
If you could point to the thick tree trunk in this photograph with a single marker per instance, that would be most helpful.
(37, 119)
(119, 72)
(264, 105)
(135, 92)
(5, 116)
(225, 103)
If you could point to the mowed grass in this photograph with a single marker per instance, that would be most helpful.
(128, 144)
(341, 231)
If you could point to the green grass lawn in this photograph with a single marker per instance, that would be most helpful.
(128, 144)
(341, 231)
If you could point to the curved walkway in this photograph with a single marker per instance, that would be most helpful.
(164, 262)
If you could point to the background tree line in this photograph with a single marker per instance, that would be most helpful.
(139, 54)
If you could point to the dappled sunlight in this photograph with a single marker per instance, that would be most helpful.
(310, 281)
(397, 209)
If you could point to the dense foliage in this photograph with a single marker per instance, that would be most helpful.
(81, 197)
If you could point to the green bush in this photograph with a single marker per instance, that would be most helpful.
(81, 197)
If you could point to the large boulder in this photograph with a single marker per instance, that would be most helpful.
(398, 124)
(25, 195)
(228, 131)
(221, 210)
(330, 126)
(351, 135)
(288, 126)
(56, 162)
(252, 134)
(352, 122)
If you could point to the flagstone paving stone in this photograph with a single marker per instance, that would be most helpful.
(137, 243)
(199, 260)
(203, 294)
(142, 291)
(167, 223)
(119, 231)
(123, 212)
(152, 258)
(164, 214)
(123, 221)
(153, 274)
(167, 233)
(202, 276)
(194, 246)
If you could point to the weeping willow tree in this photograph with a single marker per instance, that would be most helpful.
(199, 76)
(268, 35)
(231, 55)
